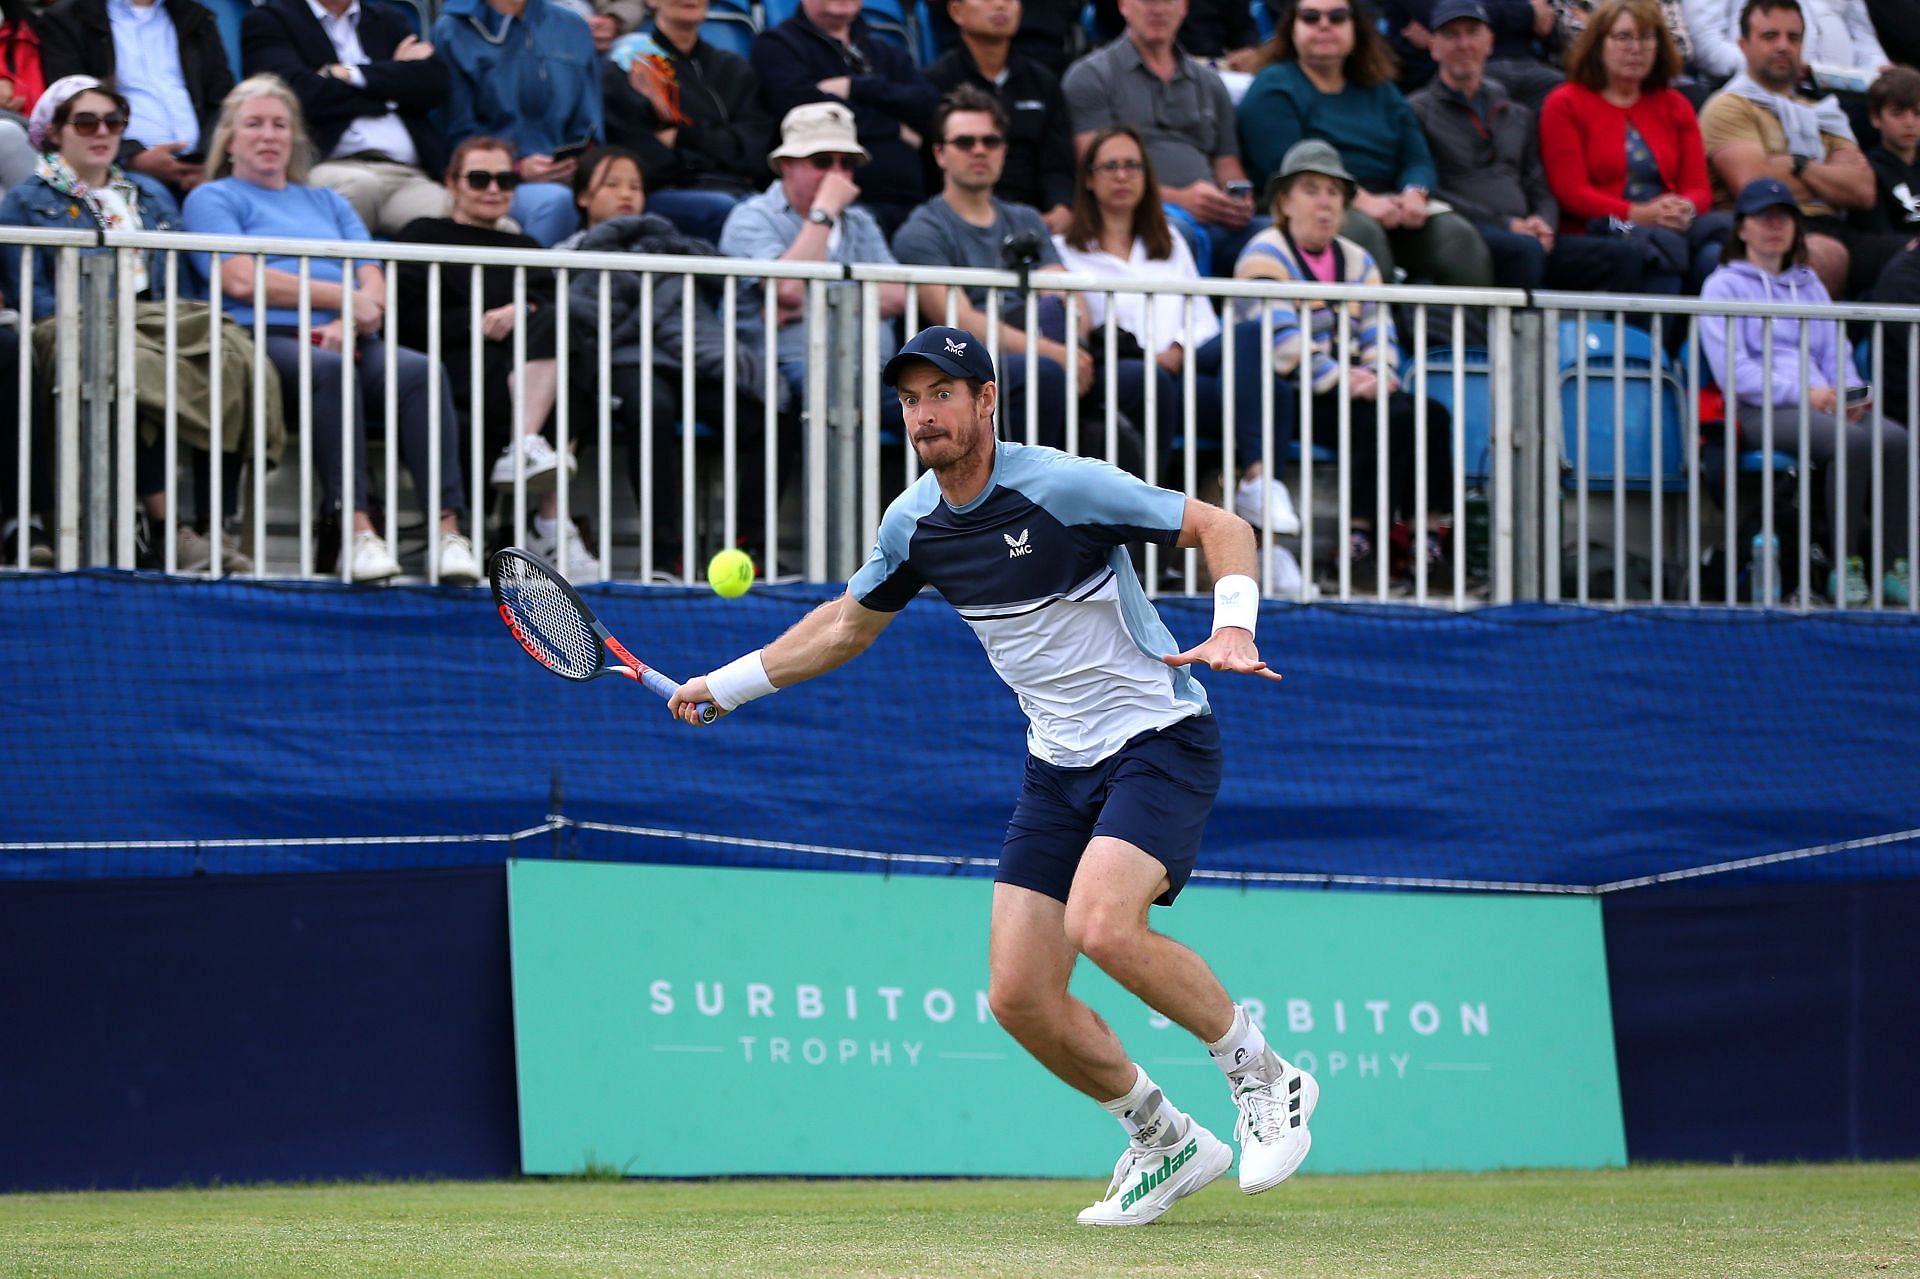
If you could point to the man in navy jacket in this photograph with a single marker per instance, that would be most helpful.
(365, 84)
(825, 52)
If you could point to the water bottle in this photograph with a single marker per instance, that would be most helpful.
(1763, 570)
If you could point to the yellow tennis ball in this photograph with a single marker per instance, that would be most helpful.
(730, 573)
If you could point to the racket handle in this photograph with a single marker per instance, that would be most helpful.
(666, 688)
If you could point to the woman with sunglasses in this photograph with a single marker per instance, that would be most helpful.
(78, 184)
(259, 159)
(481, 180)
(1118, 230)
(1329, 75)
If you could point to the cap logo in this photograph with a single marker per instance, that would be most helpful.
(957, 349)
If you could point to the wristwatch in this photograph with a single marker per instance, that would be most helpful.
(1800, 163)
(820, 217)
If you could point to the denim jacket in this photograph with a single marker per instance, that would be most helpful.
(37, 205)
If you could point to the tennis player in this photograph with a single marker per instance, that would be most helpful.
(1029, 544)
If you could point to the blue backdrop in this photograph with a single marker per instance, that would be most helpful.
(1525, 743)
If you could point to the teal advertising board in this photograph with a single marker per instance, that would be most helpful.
(687, 1021)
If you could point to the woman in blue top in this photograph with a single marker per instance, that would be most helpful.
(1330, 76)
(526, 71)
(258, 159)
(77, 184)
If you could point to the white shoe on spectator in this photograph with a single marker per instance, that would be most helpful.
(371, 560)
(232, 559)
(459, 566)
(1284, 579)
(1281, 518)
(192, 552)
(561, 546)
(540, 463)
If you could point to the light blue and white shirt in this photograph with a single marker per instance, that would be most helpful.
(1037, 565)
(146, 59)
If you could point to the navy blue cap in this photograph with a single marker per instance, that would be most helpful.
(1763, 193)
(953, 351)
(1447, 10)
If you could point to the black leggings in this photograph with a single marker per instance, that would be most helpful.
(1363, 435)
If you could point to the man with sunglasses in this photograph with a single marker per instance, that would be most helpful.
(966, 226)
(366, 84)
(1039, 168)
(1185, 118)
(167, 59)
(808, 215)
(826, 52)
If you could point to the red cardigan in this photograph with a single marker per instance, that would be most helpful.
(1583, 143)
(20, 61)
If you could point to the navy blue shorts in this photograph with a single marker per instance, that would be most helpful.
(1155, 792)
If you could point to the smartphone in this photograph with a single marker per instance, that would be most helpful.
(1240, 190)
(190, 157)
(1859, 395)
(572, 150)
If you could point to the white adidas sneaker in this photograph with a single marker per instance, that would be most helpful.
(1149, 1179)
(1276, 1100)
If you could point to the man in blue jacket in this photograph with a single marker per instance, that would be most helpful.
(826, 53)
(365, 84)
(526, 71)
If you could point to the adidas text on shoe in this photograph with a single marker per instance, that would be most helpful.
(1148, 1180)
(1276, 1100)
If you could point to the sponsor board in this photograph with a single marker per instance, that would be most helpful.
(684, 1021)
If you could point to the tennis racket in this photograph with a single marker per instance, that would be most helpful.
(559, 631)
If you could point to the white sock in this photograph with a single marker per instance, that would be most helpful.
(546, 525)
(1146, 1114)
(1242, 1044)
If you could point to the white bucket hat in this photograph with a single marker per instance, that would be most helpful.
(816, 128)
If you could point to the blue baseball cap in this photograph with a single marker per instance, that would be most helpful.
(1447, 10)
(953, 351)
(1764, 193)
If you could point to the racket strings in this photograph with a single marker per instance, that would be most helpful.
(548, 619)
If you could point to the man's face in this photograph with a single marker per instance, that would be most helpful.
(1154, 21)
(972, 152)
(991, 19)
(801, 178)
(1461, 49)
(946, 422)
(831, 15)
(1772, 47)
(1899, 127)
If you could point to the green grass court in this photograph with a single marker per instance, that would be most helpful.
(1831, 1220)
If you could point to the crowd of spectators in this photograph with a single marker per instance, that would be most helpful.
(1583, 144)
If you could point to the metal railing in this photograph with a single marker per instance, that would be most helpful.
(1588, 465)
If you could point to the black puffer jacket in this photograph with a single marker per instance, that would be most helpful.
(645, 233)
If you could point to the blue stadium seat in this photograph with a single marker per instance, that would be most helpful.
(775, 12)
(728, 29)
(930, 49)
(1476, 423)
(1631, 352)
(227, 15)
(892, 20)
(1262, 19)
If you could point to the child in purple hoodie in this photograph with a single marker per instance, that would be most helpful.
(1766, 261)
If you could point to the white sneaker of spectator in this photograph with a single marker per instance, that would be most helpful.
(369, 557)
(459, 566)
(1281, 518)
(561, 546)
(540, 463)
(1284, 579)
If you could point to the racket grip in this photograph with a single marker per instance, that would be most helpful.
(666, 688)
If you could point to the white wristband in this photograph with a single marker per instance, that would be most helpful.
(1236, 602)
(739, 682)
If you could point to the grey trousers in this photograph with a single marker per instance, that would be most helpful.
(370, 380)
(1826, 435)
